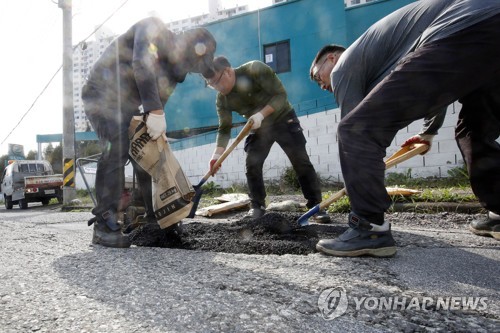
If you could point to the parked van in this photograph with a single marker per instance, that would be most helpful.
(26, 181)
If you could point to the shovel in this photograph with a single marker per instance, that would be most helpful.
(401, 155)
(198, 191)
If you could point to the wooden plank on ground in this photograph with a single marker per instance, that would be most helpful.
(222, 207)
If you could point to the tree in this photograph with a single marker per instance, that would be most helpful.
(57, 159)
(88, 148)
(3, 161)
(32, 155)
(82, 149)
(92, 148)
(54, 156)
(47, 152)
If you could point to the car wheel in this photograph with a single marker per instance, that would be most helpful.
(8, 202)
(23, 204)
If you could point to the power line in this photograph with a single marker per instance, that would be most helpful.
(59, 69)
(100, 25)
(33, 104)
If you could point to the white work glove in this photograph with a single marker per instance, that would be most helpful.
(420, 138)
(257, 120)
(214, 159)
(156, 124)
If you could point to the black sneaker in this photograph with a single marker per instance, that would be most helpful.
(321, 217)
(487, 227)
(107, 231)
(256, 212)
(362, 238)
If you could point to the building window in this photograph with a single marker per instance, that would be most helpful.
(277, 56)
(349, 3)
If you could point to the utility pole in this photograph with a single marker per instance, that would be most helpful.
(69, 190)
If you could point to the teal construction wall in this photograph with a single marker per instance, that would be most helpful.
(241, 38)
(361, 17)
(307, 24)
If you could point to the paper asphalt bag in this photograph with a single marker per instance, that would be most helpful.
(172, 191)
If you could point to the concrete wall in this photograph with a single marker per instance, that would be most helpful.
(320, 130)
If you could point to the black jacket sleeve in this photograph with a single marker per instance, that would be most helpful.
(150, 35)
(433, 124)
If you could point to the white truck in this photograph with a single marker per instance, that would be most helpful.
(25, 181)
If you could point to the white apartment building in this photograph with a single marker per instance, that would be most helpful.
(215, 12)
(84, 57)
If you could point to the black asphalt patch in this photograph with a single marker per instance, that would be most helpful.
(273, 233)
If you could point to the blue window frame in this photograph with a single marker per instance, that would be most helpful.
(277, 56)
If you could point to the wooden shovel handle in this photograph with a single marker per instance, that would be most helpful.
(401, 155)
(243, 133)
(405, 153)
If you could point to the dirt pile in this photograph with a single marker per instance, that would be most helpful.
(273, 233)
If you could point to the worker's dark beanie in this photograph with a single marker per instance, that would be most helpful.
(200, 35)
(204, 45)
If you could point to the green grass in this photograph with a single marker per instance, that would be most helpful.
(455, 188)
(452, 194)
(440, 195)
(457, 177)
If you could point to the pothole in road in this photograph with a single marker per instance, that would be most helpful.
(273, 233)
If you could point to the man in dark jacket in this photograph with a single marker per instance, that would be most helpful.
(453, 56)
(255, 92)
(136, 74)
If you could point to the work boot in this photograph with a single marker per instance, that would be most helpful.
(490, 226)
(175, 230)
(107, 231)
(147, 219)
(137, 222)
(362, 238)
(321, 217)
(256, 212)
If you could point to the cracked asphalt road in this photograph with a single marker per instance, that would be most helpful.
(53, 280)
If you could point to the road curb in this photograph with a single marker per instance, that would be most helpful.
(75, 208)
(438, 207)
(412, 207)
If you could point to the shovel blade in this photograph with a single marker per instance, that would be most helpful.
(304, 219)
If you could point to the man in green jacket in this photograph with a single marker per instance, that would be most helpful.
(255, 92)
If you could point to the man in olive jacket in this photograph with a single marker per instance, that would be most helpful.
(255, 92)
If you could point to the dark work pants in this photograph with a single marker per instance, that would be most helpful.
(465, 67)
(288, 134)
(477, 129)
(111, 121)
